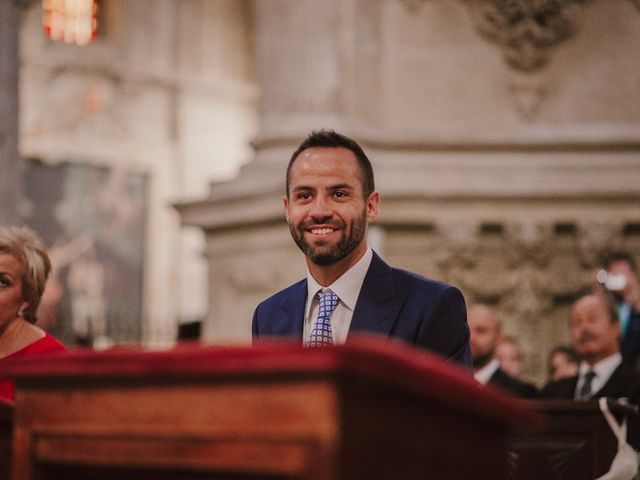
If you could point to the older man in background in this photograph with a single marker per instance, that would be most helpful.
(595, 333)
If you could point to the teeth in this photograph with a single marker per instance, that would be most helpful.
(321, 231)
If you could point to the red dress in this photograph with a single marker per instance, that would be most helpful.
(47, 344)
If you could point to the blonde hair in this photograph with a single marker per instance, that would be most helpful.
(23, 244)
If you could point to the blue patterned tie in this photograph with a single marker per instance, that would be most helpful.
(321, 333)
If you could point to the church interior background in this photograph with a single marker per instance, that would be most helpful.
(505, 138)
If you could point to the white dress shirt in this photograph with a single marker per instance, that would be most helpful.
(347, 288)
(485, 373)
(603, 370)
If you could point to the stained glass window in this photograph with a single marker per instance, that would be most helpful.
(70, 21)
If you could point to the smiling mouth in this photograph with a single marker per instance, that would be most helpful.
(322, 231)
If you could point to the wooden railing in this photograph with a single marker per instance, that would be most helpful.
(278, 411)
(6, 424)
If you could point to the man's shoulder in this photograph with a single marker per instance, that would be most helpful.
(513, 385)
(624, 379)
(560, 389)
(409, 279)
(285, 295)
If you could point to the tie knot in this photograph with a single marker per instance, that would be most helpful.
(328, 302)
(590, 375)
(321, 334)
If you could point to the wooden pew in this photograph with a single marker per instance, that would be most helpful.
(6, 424)
(276, 411)
(576, 442)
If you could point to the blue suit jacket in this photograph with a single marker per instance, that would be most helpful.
(392, 303)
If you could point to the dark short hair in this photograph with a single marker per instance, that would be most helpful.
(332, 139)
(566, 350)
(619, 256)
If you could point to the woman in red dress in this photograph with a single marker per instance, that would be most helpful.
(24, 269)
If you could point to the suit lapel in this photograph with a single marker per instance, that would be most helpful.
(379, 301)
(614, 385)
(290, 320)
(571, 385)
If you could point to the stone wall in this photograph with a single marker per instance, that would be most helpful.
(10, 180)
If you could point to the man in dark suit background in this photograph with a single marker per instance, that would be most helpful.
(595, 333)
(485, 335)
(623, 283)
(330, 201)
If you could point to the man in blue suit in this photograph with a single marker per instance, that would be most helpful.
(330, 201)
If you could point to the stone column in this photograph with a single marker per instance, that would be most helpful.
(299, 64)
(10, 178)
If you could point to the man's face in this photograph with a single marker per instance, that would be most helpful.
(595, 336)
(484, 334)
(326, 209)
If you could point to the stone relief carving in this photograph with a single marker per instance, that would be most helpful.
(528, 252)
(456, 252)
(456, 255)
(528, 92)
(596, 237)
(526, 30)
(527, 269)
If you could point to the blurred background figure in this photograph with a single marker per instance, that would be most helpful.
(563, 363)
(595, 334)
(485, 333)
(510, 357)
(620, 279)
(24, 269)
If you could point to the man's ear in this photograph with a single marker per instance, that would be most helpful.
(373, 204)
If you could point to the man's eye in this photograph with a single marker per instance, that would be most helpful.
(304, 196)
(340, 194)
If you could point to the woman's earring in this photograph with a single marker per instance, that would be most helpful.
(20, 312)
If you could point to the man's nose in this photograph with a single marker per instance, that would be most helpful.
(320, 209)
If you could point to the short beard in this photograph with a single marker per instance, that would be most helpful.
(339, 251)
(480, 361)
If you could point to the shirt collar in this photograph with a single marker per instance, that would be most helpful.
(604, 368)
(347, 287)
(485, 373)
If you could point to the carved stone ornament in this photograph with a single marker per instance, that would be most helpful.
(413, 5)
(526, 29)
(528, 91)
(457, 250)
(597, 237)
